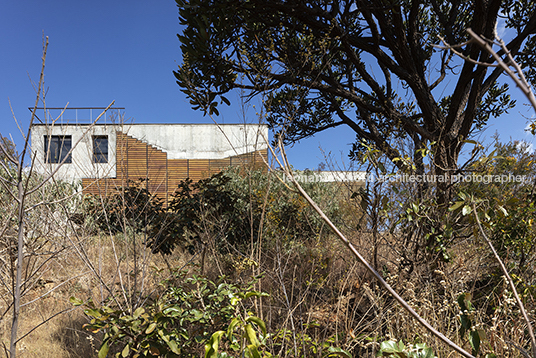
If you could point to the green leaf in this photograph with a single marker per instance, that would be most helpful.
(254, 293)
(259, 323)
(251, 335)
(92, 312)
(513, 200)
(456, 206)
(466, 210)
(232, 327)
(336, 351)
(429, 353)
(151, 328)
(253, 351)
(401, 346)
(174, 347)
(103, 351)
(125, 351)
(382, 168)
(474, 339)
(138, 312)
(173, 311)
(76, 301)
(389, 347)
(211, 348)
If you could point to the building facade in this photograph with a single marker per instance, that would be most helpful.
(105, 157)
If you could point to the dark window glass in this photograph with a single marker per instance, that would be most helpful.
(57, 148)
(100, 149)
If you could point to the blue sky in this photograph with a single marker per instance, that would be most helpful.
(126, 51)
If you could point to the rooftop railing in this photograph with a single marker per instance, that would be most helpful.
(78, 115)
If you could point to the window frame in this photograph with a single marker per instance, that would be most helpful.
(58, 148)
(100, 156)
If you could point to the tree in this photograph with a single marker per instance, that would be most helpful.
(7, 146)
(510, 205)
(370, 65)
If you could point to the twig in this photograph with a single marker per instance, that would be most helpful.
(53, 289)
(361, 259)
(520, 79)
(510, 282)
(45, 321)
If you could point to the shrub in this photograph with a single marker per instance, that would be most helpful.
(178, 323)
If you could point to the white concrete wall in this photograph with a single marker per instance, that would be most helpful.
(82, 165)
(201, 141)
(179, 141)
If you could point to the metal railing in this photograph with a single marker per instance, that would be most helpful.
(78, 115)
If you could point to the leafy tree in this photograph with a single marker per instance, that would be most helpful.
(227, 209)
(508, 204)
(369, 65)
(129, 209)
(197, 206)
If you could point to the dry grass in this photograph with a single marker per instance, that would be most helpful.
(63, 335)
(316, 290)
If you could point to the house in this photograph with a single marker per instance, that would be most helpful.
(107, 155)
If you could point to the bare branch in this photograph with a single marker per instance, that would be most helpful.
(41, 80)
(284, 164)
(53, 289)
(519, 79)
(45, 321)
(510, 283)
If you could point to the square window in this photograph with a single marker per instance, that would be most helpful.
(100, 149)
(57, 148)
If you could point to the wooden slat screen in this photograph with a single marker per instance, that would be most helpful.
(138, 160)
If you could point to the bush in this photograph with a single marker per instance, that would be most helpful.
(224, 210)
(178, 323)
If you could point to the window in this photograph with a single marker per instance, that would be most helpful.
(100, 149)
(57, 148)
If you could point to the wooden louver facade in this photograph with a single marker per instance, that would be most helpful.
(137, 160)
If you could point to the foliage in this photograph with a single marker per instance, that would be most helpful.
(508, 202)
(193, 313)
(131, 207)
(400, 350)
(224, 210)
(326, 64)
(467, 310)
(179, 323)
(209, 202)
(307, 346)
(245, 344)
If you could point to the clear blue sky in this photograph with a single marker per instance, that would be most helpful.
(126, 51)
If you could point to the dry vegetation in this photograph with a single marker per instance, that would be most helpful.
(68, 275)
(318, 293)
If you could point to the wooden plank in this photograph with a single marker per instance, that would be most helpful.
(217, 165)
(198, 169)
(177, 171)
